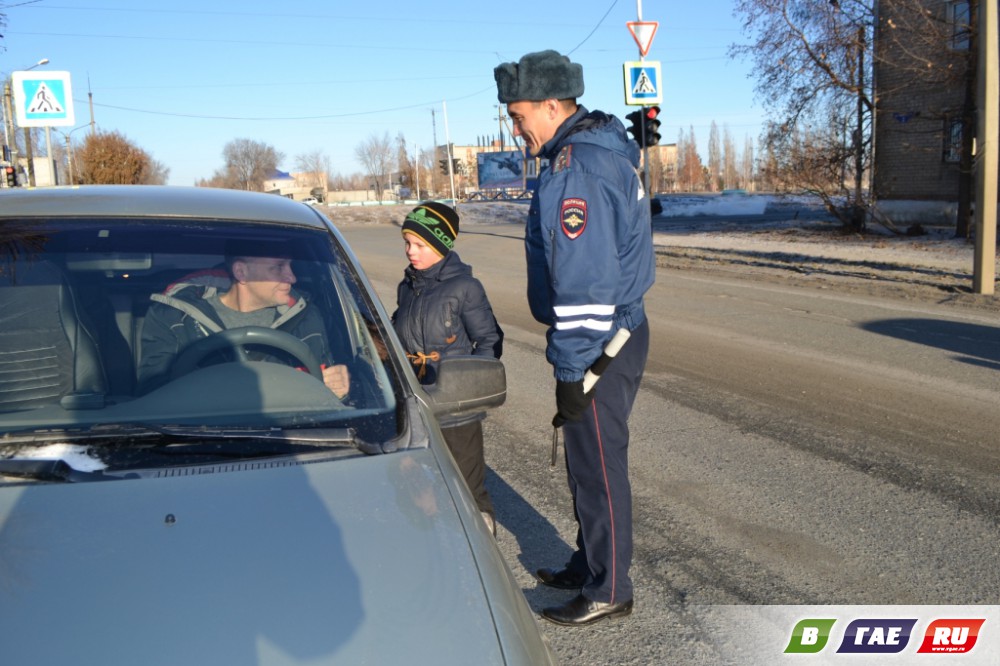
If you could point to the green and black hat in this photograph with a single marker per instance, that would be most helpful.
(435, 223)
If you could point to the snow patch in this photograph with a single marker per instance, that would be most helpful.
(76, 456)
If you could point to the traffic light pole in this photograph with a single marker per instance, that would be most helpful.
(643, 143)
(645, 158)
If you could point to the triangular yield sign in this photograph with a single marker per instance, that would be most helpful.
(643, 33)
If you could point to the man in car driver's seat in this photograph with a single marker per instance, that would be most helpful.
(254, 291)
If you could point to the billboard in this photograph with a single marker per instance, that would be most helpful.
(502, 170)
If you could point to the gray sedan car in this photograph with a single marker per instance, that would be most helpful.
(183, 486)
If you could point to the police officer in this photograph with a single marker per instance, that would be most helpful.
(590, 261)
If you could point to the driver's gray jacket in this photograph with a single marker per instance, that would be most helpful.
(182, 314)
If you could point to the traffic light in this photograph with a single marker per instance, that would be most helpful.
(456, 166)
(9, 176)
(635, 129)
(652, 126)
(644, 126)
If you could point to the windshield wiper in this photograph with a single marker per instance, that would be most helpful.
(112, 433)
(320, 437)
(143, 439)
(120, 434)
(42, 470)
(125, 445)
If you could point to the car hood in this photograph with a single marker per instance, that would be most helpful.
(352, 561)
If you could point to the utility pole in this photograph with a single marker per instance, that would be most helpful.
(9, 135)
(29, 152)
(434, 178)
(857, 217)
(90, 102)
(451, 157)
(984, 264)
(416, 169)
(500, 119)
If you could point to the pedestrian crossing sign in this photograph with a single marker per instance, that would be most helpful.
(43, 99)
(642, 83)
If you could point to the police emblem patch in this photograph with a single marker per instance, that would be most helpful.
(573, 217)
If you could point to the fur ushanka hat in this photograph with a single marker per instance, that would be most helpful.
(538, 76)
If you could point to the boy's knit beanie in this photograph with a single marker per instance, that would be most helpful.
(435, 223)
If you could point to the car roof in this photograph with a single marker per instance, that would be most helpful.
(155, 201)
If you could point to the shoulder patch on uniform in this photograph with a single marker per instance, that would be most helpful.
(573, 216)
(562, 159)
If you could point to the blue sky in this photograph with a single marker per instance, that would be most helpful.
(182, 79)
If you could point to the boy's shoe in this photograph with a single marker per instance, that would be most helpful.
(491, 523)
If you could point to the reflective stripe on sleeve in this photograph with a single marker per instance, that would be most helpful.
(562, 311)
(593, 324)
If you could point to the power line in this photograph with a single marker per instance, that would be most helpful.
(273, 118)
(591, 34)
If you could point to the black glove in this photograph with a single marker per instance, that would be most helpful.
(571, 402)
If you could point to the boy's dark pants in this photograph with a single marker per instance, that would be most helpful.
(466, 445)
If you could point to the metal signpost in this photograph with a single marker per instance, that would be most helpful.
(643, 84)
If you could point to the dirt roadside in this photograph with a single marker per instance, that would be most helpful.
(931, 268)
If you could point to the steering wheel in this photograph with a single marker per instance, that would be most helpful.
(235, 338)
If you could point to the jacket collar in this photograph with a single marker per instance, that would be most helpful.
(551, 147)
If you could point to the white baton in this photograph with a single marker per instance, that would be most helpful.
(592, 375)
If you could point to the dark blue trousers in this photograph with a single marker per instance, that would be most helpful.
(597, 465)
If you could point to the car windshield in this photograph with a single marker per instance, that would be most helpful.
(137, 325)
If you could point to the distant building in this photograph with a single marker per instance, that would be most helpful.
(921, 62)
(297, 186)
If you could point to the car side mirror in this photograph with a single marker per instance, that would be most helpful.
(467, 384)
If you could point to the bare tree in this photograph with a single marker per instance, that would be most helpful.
(747, 176)
(729, 158)
(813, 62)
(158, 173)
(223, 178)
(249, 163)
(811, 58)
(354, 181)
(714, 158)
(682, 183)
(111, 159)
(378, 158)
(315, 166)
(806, 159)
(690, 172)
(406, 165)
(428, 170)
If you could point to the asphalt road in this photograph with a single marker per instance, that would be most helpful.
(790, 446)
